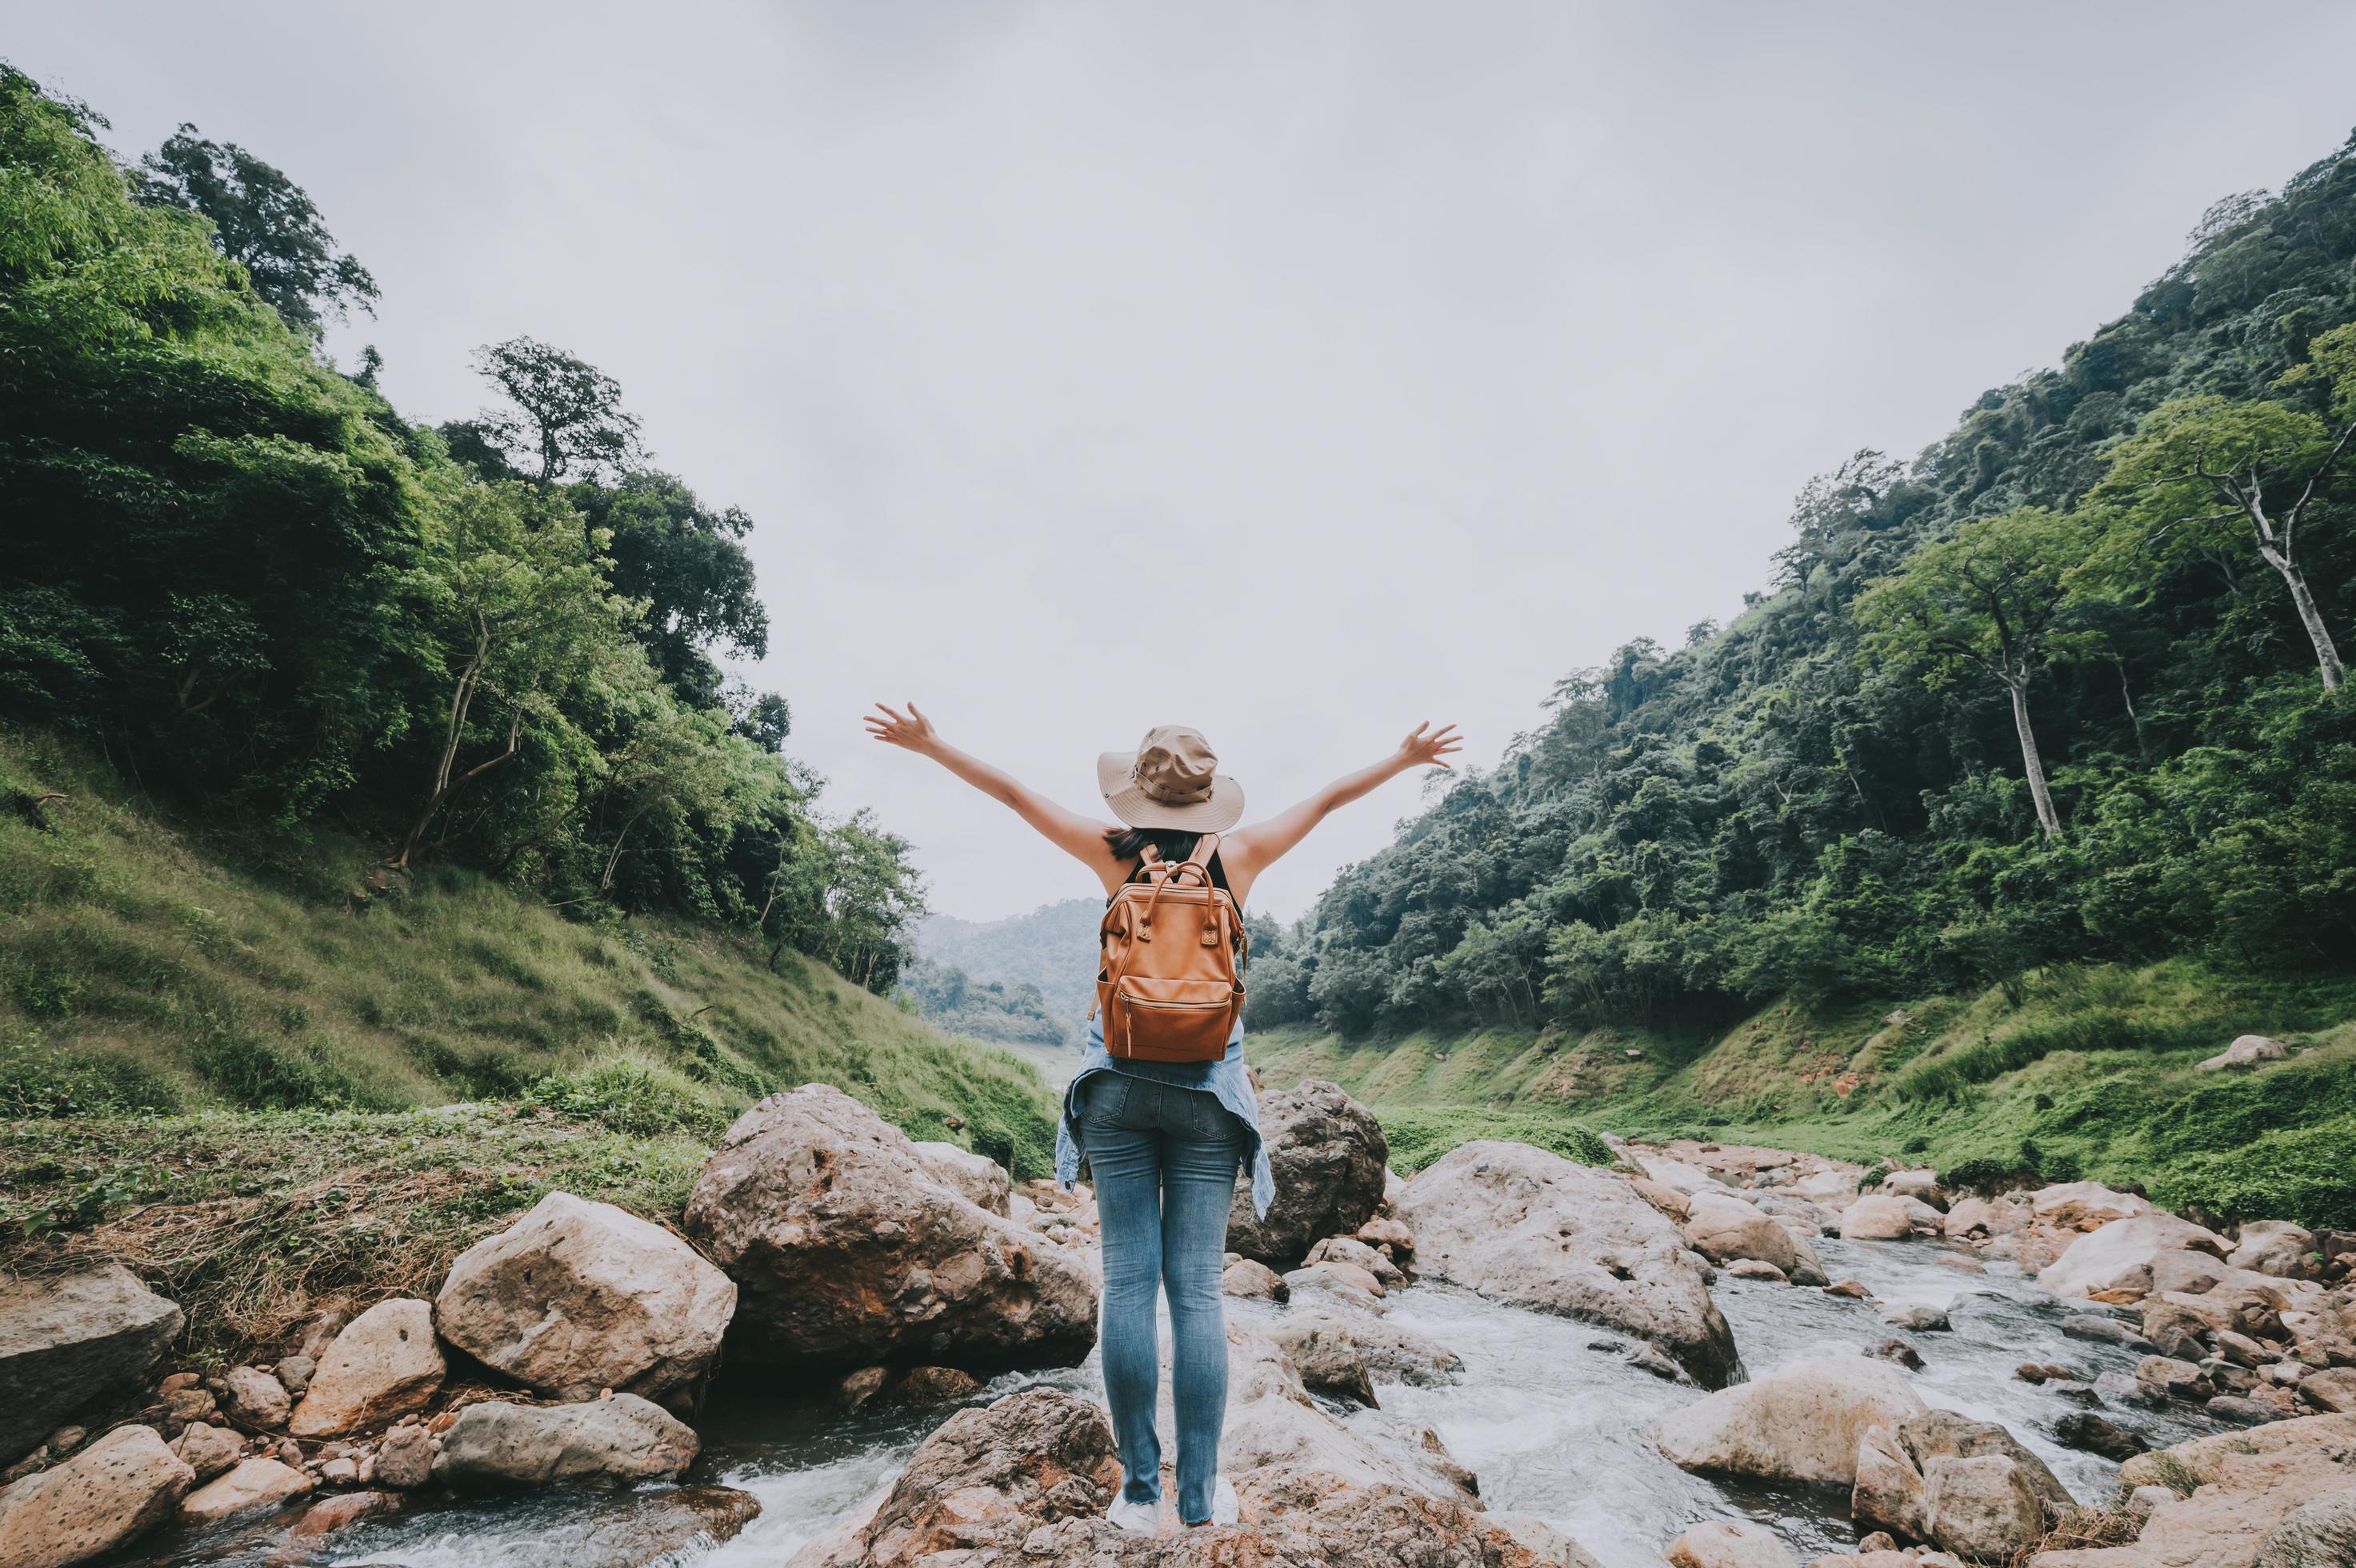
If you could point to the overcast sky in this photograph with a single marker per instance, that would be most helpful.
(1294, 371)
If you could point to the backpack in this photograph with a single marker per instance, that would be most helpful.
(1170, 982)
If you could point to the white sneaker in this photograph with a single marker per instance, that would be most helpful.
(1137, 1518)
(1224, 1506)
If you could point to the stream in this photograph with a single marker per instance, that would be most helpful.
(1552, 1425)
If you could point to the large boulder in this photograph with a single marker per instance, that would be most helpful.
(2272, 1247)
(1801, 1423)
(1522, 1226)
(110, 1492)
(2247, 1485)
(849, 1248)
(1328, 1155)
(2320, 1534)
(1974, 1219)
(2085, 1205)
(385, 1363)
(2117, 1260)
(1964, 1486)
(1886, 1217)
(67, 1338)
(623, 1439)
(577, 1297)
(1727, 1230)
(2247, 1051)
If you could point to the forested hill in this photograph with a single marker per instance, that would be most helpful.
(2064, 686)
(274, 603)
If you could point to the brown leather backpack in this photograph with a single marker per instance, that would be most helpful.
(1170, 983)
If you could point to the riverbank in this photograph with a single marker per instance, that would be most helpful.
(2068, 1073)
(1513, 1358)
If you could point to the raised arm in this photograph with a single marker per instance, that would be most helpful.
(1250, 850)
(1068, 831)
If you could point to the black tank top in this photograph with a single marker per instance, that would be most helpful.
(1218, 876)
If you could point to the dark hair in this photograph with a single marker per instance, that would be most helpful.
(1172, 844)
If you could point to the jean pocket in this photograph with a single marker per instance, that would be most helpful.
(1103, 1100)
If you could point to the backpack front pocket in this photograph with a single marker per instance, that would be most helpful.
(1171, 1020)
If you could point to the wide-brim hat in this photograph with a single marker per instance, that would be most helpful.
(1171, 781)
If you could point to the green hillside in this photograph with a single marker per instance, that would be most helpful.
(2069, 1072)
(144, 966)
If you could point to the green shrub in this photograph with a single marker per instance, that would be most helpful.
(631, 1096)
(1418, 1137)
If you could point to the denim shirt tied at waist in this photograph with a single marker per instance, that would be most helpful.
(1223, 1079)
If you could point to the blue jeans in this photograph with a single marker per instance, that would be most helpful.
(1164, 1159)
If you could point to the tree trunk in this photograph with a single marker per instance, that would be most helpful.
(2032, 764)
(2327, 655)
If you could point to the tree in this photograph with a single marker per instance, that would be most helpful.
(687, 563)
(261, 220)
(1989, 597)
(521, 598)
(566, 419)
(2201, 470)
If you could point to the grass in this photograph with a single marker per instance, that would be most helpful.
(2072, 1071)
(271, 1076)
(254, 1220)
(146, 968)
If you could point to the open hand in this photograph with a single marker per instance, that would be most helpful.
(1427, 745)
(912, 730)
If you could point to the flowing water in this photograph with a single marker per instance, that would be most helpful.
(1552, 1425)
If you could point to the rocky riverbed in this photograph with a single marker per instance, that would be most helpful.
(858, 1350)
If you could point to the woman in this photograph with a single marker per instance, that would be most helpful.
(1164, 1140)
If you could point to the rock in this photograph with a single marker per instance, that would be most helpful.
(1967, 1487)
(2247, 1051)
(2143, 1499)
(182, 1406)
(1896, 1351)
(1677, 1177)
(1916, 1316)
(1322, 1351)
(1883, 1217)
(858, 1389)
(1384, 1231)
(2318, 1534)
(2042, 1371)
(1348, 1281)
(404, 1460)
(293, 1373)
(643, 1530)
(1753, 1269)
(2117, 1258)
(2084, 1429)
(925, 1386)
(2119, 1389)
(108, 1494)
(1395, 1355)
(849, 1249)
(385, 1363)
(2272, 1246)
(982, 1179)
(1852, 1290)
(1357, 1254)
(2103, 1330)
(992, 1475)
(65, 1339)
(1801, 1423)
(329, 1515)
(1522, 1226)
(2181, 1378)
(624, 1438)
(208, 1450)
(1328, 1155)
(2333, 1391)
(1922, 1186)
(1254, 1281)
(255, 1398)
(1977, 1219)
(2247, 1484)
(1726, 1543)
(2085, 1205)
(1804, 1218)
(2246, 1411)
(255, 1486)
(576, 1297)
(1728, 1230)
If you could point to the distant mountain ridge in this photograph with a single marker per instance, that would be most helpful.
(1052, 949)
